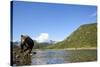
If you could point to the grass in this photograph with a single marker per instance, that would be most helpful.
(83, 37)
(82, 55)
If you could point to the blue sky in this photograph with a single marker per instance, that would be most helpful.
(46, 21)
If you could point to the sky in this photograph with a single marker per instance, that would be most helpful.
(49, 21)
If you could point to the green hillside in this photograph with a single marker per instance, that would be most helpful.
(84, 37)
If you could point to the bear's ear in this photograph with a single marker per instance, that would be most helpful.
(22, 38)
(22, 35)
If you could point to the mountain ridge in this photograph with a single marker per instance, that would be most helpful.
(85, 36)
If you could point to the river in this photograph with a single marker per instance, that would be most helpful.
(62, 56)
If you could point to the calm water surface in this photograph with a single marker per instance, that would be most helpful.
(63, 56)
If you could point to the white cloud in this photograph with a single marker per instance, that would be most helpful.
(93, 14)
(43, 37)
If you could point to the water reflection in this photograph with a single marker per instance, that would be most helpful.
(63, 56)
(49, 57)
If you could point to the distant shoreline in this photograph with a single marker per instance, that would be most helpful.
(93, 48)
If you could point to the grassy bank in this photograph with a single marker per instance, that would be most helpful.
(51, 49)
(83, 55)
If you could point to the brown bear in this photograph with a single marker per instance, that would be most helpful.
(26, 43)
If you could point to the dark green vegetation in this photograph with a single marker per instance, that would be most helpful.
(82, 55)
(84, 37)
